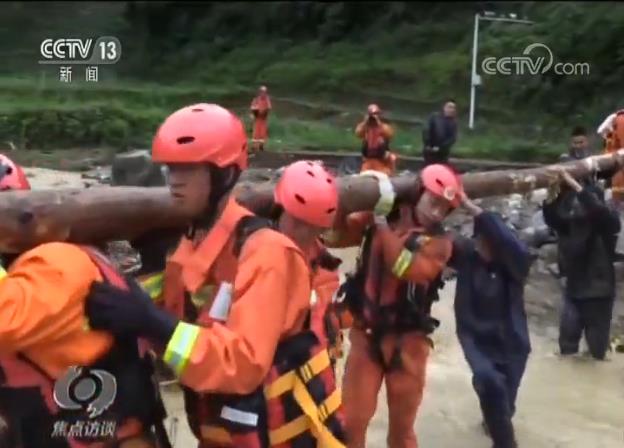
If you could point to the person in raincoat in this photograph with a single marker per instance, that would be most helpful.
(491, 321)
(236, 293)
(260, 109)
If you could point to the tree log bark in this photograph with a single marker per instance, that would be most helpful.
(118, 213)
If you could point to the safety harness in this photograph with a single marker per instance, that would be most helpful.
(34, 417)
(298, 403)
(408, 313)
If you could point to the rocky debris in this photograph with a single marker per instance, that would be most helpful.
(99, 174)
(136, 169)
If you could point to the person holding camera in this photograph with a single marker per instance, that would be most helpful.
(376, 136)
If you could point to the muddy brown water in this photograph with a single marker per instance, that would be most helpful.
(563, 403)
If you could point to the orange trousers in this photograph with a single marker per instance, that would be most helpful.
(260, 133)
(362, 382)
(388, 165)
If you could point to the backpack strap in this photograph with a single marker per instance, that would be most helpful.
(246, 227)
(108, 271)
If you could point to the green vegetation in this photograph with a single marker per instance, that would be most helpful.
(323, 63)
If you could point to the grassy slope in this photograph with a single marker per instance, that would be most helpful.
(319, 96)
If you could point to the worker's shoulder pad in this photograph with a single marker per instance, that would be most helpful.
(52, 249)
(254, 232)
(54, 253)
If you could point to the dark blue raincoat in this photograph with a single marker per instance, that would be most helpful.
(491, 319)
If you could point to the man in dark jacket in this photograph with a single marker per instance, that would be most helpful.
(587, 231)
(440, 134)
(491, 320)
(579, 146)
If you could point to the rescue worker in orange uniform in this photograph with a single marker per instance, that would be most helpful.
(326, 319)
(612, 129)
(390, 296)
(260, 109)
(237, 295)
(308, 183)
(44, 333)
(376, 136)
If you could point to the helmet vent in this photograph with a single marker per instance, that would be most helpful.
(329, 181)
(439, 182)
(300, 199)
(310, 173)
(330, 210)
(197, 110)
(185, 140)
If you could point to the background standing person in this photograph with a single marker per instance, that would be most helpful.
(260, 108)
(587, 233)
(491, 320)
(376, 136)
(440, 134)
(579, 146)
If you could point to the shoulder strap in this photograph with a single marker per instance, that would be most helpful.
(246, 227)
(108, 271)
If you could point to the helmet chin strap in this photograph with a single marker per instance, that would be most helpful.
(222, 181)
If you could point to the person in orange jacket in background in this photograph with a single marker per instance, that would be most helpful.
(376, 136)
(237, 301)
(612, 130)
(390, 296)
(260, 108)
(44, 333)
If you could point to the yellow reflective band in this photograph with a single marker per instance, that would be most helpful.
(3, 273)
(180, 347)
(312, 420)
(402, 263)
(301, 424)
(153, 285)
(308, 371)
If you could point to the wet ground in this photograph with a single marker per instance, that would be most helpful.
(563, 403)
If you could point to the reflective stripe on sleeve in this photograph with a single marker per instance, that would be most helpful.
(3, 273)
(402, 263)
(153, 285)
(180, 347)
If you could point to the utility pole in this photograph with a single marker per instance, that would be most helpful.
(475, 78)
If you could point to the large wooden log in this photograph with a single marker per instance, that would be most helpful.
(109, 213)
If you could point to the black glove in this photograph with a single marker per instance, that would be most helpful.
(124, 312)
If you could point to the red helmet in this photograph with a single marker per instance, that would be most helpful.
(373, 109)
(12, 176)
(442, 181)
(309, 192)
(201, 133)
